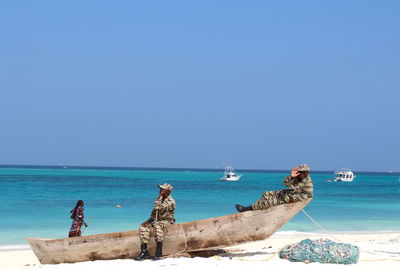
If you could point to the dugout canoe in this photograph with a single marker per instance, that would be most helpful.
(194, 236)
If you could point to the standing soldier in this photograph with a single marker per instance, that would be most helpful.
(161, 216)
(301, 189)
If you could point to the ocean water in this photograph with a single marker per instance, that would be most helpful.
(36, 201)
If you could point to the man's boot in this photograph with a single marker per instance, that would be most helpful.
(144, 254)
(241, 208)
(158, 254)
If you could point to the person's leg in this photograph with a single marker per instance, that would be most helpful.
(159, 235)
(144, 234)
(273, 198)
(78, 230)
(242, 208)
(269, 199)
(75, 229)
(292, 197)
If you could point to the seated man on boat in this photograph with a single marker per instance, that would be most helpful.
(161, 216)
(301, 189)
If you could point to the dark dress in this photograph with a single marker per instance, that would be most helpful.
(77, 222)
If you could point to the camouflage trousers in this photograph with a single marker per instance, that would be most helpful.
(273, 198)
(157, 227)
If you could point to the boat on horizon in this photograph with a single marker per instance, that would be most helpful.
(230, 175)
(188, 237)
(344, 175)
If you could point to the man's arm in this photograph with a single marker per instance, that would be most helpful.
(160, 204)
(290, 180)
(303, 186)
(150, 219)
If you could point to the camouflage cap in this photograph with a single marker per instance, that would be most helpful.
(304, 168)
(166, 186)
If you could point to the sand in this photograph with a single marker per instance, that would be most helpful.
(376, 250)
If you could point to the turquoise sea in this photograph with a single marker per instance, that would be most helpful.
(36, 201)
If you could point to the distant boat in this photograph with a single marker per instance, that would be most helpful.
(230, 175)
(344, 175)
(189, 237)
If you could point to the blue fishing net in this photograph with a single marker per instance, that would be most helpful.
(321, 250)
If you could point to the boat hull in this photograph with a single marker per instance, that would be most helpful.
(206, 234)
(237, 178)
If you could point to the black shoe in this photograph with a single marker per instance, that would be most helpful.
(241, 208)
(158, 254)
(144, 254)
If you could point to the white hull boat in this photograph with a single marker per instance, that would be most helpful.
(230, 175)
(344, 175)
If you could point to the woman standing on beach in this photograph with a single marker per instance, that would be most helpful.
(77, 216)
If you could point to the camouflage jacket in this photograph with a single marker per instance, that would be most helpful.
(163, 210)
(300, 185)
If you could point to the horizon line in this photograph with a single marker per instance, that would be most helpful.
(172, 168)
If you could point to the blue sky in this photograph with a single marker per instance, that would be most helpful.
(201, 84)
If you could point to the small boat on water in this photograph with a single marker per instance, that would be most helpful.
(344, 175)
(230, 175)
(187, 237)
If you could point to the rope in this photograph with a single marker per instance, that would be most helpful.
(180, 224)
(256, 216)
(319, 226)
(380, 260)
(262, 260)
(259, 215)
(179, 252)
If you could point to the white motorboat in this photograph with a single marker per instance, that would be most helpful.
(344, 175)
(230, 175)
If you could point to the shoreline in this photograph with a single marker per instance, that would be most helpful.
(375, 247)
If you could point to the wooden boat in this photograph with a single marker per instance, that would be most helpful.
(194, 236)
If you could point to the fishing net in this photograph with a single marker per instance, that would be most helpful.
(321, 250)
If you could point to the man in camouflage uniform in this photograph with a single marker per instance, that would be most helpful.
(301, 189)
(161, 216)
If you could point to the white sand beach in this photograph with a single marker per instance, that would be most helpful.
(376, 250)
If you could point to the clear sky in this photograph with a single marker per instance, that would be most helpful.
(201, 84)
